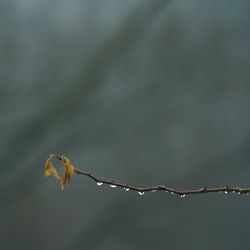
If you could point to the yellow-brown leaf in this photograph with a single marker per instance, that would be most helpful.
(68, 171)
(50, 169)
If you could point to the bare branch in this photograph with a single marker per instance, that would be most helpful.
(142, 189)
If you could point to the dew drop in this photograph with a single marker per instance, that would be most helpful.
(183, 195)
(126, 189)
(172, 193)
(113, 186)
(226, 192)
(153, 191)
(99, 183)
(141, 193)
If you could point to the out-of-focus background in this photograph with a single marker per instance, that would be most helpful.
(152, 92)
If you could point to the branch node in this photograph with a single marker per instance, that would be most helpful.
(203, 190)
(161, 187)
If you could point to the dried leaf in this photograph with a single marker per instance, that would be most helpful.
(50, 169)
(68, 171)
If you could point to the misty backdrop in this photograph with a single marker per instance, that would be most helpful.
(151, 92)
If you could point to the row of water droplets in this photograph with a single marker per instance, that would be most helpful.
(154, 190)
(139, 192)
(114, 186)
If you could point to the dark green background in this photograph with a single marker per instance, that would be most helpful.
(153, 92)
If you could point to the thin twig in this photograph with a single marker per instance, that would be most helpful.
(141, 190)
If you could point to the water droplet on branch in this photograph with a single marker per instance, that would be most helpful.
(141, 193)
(112, 185)
(99, 183)
(126, 189)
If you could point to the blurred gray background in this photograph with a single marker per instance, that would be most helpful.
(153, 92)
